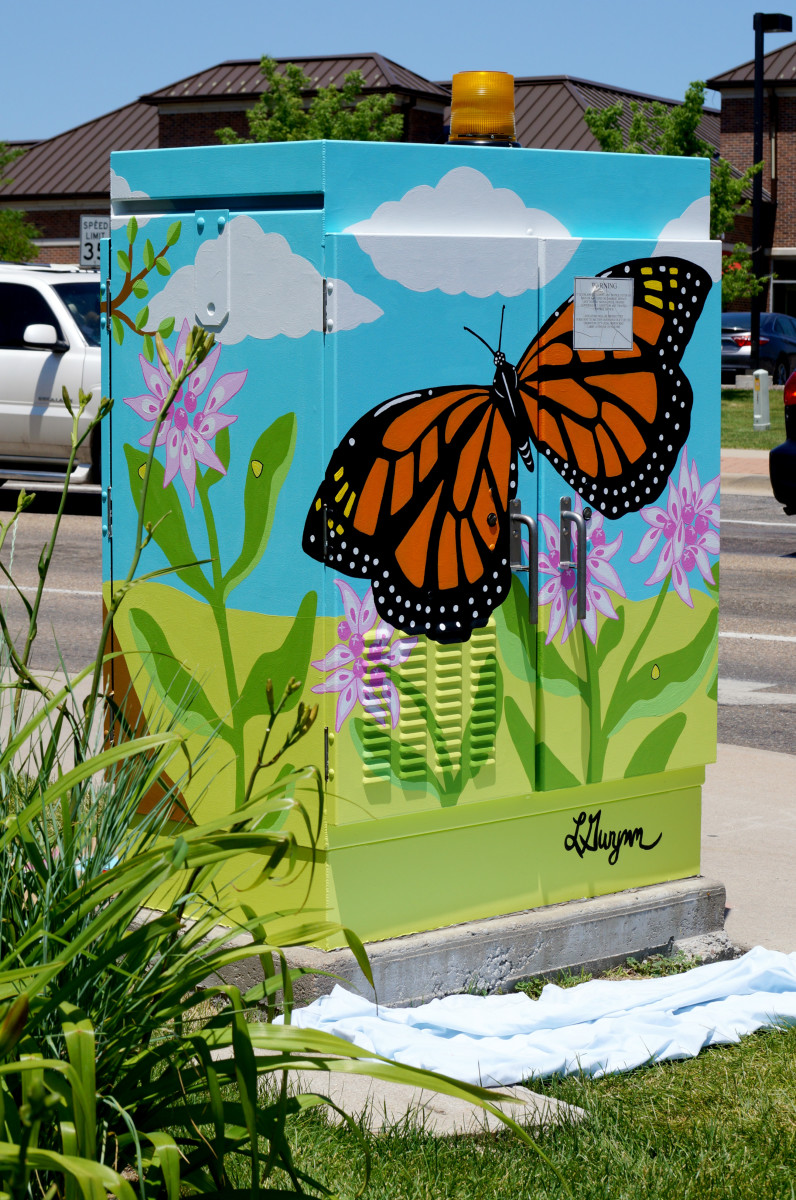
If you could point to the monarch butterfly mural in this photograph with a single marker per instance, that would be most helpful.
(416, 496)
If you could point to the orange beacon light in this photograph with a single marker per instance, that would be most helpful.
(482, 109)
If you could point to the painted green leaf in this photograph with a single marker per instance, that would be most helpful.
(164, 510)
(655, 750)
(268, 468)
(523, 737)
(118, 330)
(132, 230)
(556, 674)
(551, 772)
(222, 448)
(142, 317)
(123, 259)
(292, 658)
(162, 266)
(663, 684)
(177, 688)
(166, 327)
(174, 232)
(149, 348)
(712, 689)
(610, 634)
(516, 637)
(140, 289)
(149, 255)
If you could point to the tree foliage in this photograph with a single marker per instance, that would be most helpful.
(657, 128)
(16, 233)
(334, 113)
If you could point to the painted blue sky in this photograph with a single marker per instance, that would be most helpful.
(65, 64)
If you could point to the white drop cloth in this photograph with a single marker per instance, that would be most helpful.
(598, 1027)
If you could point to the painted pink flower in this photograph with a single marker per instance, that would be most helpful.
(560, 591)
(191, 423)
(357, 665)
(687, 529)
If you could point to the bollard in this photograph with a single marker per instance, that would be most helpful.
(760, 418)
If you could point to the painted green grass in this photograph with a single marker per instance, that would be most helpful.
(736, 421)
(718, 1127)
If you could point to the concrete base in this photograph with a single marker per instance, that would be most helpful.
(495, 954)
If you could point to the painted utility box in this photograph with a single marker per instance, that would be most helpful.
(454, 462)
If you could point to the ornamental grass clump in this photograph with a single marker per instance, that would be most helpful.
(117, 926)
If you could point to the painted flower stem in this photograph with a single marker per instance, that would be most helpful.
(219, 610)
(612, 715)
(597, 741)
(199, 346)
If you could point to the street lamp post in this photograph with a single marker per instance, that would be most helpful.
(763, 23)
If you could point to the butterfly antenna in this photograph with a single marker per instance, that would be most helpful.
(478, 335)
(500, 338)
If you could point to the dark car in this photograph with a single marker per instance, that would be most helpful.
(777, 345)
(782, 460)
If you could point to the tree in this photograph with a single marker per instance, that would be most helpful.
(657, 128)
(16, 233)
(335, 113)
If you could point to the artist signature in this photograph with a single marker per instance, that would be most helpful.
(589, 835)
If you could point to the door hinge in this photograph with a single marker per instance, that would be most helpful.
(107, 525)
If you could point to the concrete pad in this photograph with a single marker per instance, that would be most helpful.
(748, 836)
(380, 1106)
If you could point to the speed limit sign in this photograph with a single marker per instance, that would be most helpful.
(92, 230)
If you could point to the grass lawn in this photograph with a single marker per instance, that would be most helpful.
(718, 1127)
(736, 421)
(721, 1126)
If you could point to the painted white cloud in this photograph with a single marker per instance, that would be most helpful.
(464, 235)
(687, 237)
(263, 290)
(121, 190)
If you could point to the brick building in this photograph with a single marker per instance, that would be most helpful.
(63, 177)
(779, 156)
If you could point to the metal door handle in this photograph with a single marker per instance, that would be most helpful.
(567, 519)
(532, 566)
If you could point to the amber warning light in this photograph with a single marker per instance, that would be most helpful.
(482, 109)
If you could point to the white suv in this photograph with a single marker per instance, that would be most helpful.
(49, 339)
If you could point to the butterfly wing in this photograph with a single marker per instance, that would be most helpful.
(415, 499)
(612, 423)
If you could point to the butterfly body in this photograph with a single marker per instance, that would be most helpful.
(416, 495)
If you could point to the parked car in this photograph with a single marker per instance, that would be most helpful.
(49, 339)
(782, 459)
(777, 345)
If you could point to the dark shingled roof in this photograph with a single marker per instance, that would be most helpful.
(243, 80)
(779, 66)
(78, 162)
(549, 111)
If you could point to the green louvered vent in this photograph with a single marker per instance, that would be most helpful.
(412, 729)
(449, 680)
(483, 693)
(458, 684)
